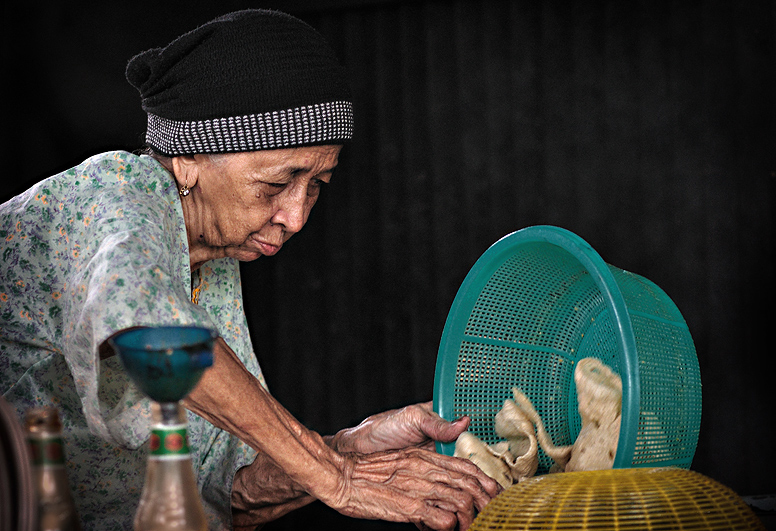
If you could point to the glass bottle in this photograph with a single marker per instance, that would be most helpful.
(170, 499)
(56, 507)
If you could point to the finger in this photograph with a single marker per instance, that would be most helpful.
(479, 497)
(476, 488)
(465, 518)
(438, 519)
(492, 487)
(455, 501)
(467, 468)
(439, 429)
(415, 486)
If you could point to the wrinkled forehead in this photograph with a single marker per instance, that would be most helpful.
(309, 160)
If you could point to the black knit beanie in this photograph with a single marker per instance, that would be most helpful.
(246, 81)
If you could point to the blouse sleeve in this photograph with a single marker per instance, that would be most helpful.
(94, 250)
(129, 267)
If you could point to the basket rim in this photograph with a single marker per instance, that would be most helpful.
(491, 260)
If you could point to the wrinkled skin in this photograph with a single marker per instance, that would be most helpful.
(397, 479)
(412, 427)
(415, 425)
(247, 205)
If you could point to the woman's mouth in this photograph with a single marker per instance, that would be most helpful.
(267, 249)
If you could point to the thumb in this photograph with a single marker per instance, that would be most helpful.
(439, 429)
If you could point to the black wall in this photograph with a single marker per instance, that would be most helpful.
(648, 128)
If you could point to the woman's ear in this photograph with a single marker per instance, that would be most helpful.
(185, 168)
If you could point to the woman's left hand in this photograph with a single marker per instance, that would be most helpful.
(412, 426)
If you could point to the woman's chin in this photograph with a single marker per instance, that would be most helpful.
(245, 255)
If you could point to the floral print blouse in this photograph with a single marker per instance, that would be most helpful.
(85, 253)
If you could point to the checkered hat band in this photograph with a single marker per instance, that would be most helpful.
(309, 125)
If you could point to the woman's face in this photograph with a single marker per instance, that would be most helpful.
(245, 205)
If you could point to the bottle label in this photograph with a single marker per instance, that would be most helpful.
(46, 451)
(169, 442)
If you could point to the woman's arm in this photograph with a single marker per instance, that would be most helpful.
(408, 485)
(262, 492)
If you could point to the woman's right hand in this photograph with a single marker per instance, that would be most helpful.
(403, 485)
(413, 485)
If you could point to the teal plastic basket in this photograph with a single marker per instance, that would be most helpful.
(541, 299)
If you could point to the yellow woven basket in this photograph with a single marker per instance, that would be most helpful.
(619, 499)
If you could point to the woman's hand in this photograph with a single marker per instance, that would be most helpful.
(380, 483)
(263, 492)
(409, 485)
(408, 479)
(413, 485)
(412, 426)
(432, 491)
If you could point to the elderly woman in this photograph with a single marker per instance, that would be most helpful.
(247, 115)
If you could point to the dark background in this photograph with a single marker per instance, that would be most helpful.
(647, 127)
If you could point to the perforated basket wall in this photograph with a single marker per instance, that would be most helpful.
(618, 500)
(535, 303)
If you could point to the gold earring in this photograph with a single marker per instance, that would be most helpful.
(184, 191)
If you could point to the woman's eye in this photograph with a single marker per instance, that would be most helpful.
(315, 187)
(275, 188)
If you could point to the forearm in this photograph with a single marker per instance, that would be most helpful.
(407, 485)
(233, 399)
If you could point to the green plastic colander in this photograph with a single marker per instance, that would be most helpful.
(541, 299)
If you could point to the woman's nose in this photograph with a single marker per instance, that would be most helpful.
(292, 213)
